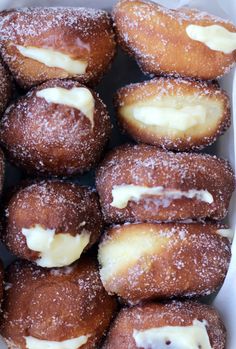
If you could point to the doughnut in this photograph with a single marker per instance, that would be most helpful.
(175, 114)
(55, 308)
(5, 88)
(59, 128)
(184, 42)
(142, 183)
(147, 261)
(2, 170)
(52, 223)
(185, 325)
(40, 44)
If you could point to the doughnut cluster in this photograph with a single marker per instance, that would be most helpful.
(121, 264)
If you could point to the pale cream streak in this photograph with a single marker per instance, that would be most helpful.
(179, 337)
(124, 193)
(75, 343)
(56, 250)
(77, 97)
(54, 59)
(179, 119)
(215, 37)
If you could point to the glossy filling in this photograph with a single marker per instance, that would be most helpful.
(56, 250)
(226, 233)
(75, 343)
(215, 37)
(174, 337)
(54, 59)
(124, 193)
(78, 97)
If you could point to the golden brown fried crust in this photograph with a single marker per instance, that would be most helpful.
(56, 304)
(81, 33)
(184, 260)
(157, 38)
(147, 166)
(65, 207)
(53, 138)
(163, 87)
(158, 315)
(5, 88)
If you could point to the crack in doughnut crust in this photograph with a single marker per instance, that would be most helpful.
(5, 88)
(53, 138)
(154, 315)
(149, 261)
(147, 167)
(81, 34)
(158, 99)
(66, 209)
(157, 38)
(55, 304)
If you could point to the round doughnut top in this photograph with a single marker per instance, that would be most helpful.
(24, 23)
(154, 315)
(56, 304)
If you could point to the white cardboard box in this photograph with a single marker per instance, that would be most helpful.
(225, 147)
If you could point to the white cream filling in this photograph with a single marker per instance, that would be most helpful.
(77, 97)
(75, 343)
(215, 37)
(54, 59)
(56, 250)
(124, 193)
(174, 337)
(226, 233)
(174, 118)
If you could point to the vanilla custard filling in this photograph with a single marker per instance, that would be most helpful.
(54, 59)
(215, 37)
(124, 193)
(194, 336)
(75, 343)
(125, 250)
(174, 118)
(226, 233)
(77, 97)
(56, 250)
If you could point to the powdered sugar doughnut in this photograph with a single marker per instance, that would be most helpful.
(184, 42)
(5, 88)
(65, 307)
(169, 325)
(142, 183)
(149, 260)
(61, 128)
(39, 44)
(173, 113)
(52, 222)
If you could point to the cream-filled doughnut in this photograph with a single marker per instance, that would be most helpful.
(185, 325)
(142, 183)
(55, 308)
(40, 44)
(61, 128)
(52, 223)
(185, 42)
(173, 113)
(149, 260)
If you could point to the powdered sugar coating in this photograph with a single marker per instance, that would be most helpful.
(82, 33)
(147, 166)
(168, 314)
(5, 88)
(54, 307)
(188, 92)
(156, 37)
(54, 138)
(66, 208)
(183, 260)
